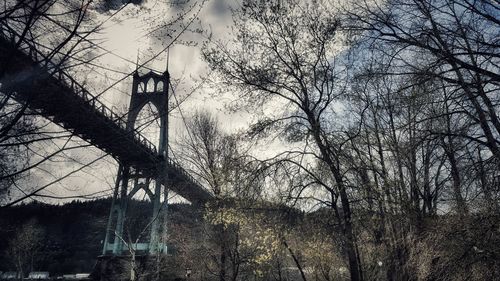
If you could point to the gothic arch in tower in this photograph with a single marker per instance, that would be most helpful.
(154, 92)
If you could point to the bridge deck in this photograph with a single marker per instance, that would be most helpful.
(57, 96)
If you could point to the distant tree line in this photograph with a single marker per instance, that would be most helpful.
(66, 239)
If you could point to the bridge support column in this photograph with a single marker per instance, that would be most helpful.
(157, 222)
(111, 212)
(122, 210)
(113, 240)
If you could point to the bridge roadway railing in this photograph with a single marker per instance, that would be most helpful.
(10, 35)
(29, 49)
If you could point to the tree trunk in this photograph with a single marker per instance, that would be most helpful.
(346, 219)
(295, 259)
(354, 267)
(456, 180)
(222, 271)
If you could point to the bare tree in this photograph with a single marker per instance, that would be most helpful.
(454, 41)
(284, 58)
(217, 159)
(25, 246)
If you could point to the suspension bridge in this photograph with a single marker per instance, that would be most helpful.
(48, 90)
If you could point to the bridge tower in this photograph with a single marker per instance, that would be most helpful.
(133, 177)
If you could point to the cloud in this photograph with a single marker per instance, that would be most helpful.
(108, 5)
